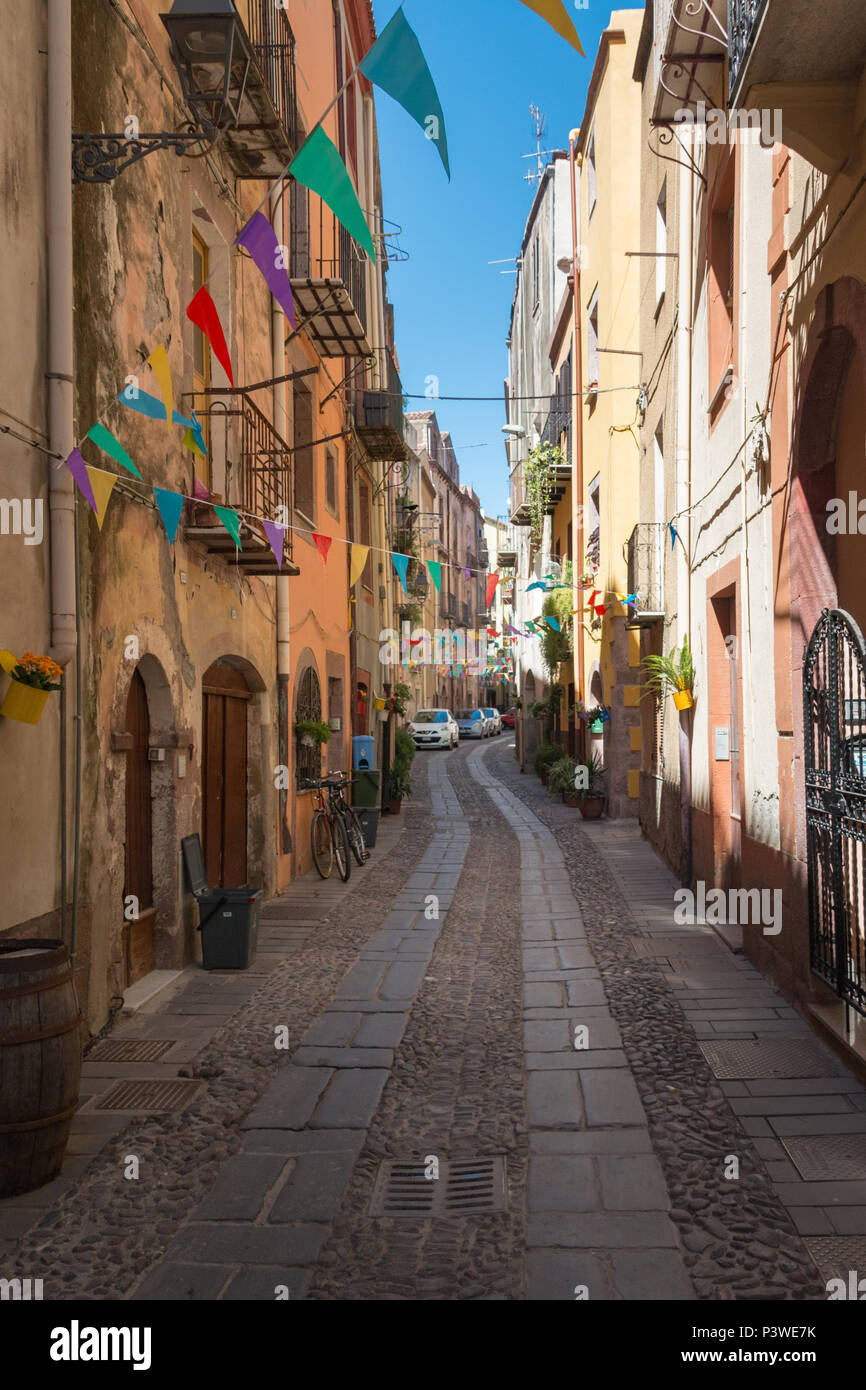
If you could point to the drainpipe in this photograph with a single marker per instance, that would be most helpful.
(577, 490)
(683, 500)
(280, 414)
(60, 356)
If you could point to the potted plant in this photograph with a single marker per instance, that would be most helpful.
(398, 700)
(673, 674)
(33, 679)
(312, 732)
(560, 780)
(399, 778)
(545, 755)
(589, 787)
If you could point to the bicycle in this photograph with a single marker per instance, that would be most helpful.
(328, 838)
(337, 784)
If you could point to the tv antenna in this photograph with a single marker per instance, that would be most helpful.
(540, 120)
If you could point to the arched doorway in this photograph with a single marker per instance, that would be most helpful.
(225, 699)
(139, 911)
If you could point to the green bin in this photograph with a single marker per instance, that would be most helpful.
(365, 787)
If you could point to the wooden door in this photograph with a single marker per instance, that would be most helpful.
(138, 935)
(224, 777)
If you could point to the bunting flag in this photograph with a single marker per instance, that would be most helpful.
(199, 490)
(492, 581)
(323, 545)
(158, 363)
(190, 442)
(357, 563)
(170, 507)
(202, 311)
(396, 64)
(435, 569)
(78, 468)
(467, 572)
(554, 623)
(401, 565)
(102, 486)
(106, 441)
(318, 166)
(276, 537)
(260, 240)
(232, 522)
(673, 531)
(557, 16)
(198, 433)
(136, 399)
(539, 584)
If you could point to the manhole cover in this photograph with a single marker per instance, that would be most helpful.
(672, 945)
(463, 1185)
(765, 1059)
(143, 1050)
(837, 1256)
(148, 1095)
(829, 1157)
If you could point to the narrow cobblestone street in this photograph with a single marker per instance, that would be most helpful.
(501, 982)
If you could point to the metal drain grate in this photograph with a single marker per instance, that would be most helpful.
(155, 1096)
(464, 1185)
(144, 1050)
(836, 1256)
(765, 1059)
(829, 1158)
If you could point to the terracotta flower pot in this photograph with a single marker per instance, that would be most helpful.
(24, 703)
(394, 805)
(591, 807)
(683, 699)
(570, 799)
(544, 779)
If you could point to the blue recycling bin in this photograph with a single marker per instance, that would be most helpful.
(363, 751)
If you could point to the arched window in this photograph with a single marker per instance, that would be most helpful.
(308, 705)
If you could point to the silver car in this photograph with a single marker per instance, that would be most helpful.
(494, 721)
(472, 723)
(434, 728)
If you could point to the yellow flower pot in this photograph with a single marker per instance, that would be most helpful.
(378, 703)
(24, 703)
(683, 699)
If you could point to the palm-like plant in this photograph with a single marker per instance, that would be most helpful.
(670, 674)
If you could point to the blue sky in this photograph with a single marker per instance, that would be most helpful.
(490, 60)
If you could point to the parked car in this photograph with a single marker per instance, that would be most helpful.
(494, 720)
(434, 728)
(509, 718)
(472, 723)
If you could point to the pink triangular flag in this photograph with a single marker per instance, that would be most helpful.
(276, 536)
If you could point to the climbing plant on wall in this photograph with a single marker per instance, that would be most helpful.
(542, 460)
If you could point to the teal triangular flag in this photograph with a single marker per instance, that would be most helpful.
(109, 445)
(232, 522)
(435, 574)
(318, 166)
(552, 622)
(401, 565)
(396, 64)
(170, 507)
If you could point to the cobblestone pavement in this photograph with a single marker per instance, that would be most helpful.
(501, 982)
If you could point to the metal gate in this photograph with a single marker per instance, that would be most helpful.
(834, 712)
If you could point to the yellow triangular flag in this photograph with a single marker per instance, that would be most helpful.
(158, 363)
(191, 443)
(558, 18)
(357, 563)
(103, 486)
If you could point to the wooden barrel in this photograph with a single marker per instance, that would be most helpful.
(40, 1061)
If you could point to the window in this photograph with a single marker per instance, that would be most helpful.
(331, 501)
(365, 532)
(536, 285)
(300, 230)
(592, 535)
(661, 245)
(362, 708)
(308, 705)
(590, 177)
(201, 357)
(592, 353)
(721, 284)
(303, 451)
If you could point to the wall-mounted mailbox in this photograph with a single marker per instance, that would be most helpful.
(723, 744)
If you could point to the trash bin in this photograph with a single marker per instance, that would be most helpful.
(365, 787)
(363, 751)
(369, 818)
(228, 917)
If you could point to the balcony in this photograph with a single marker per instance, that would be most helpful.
(689, 55)
(379, 414)
(646, 574)
(252, 472)
(266, 136)
(329, 289)
(804, 60)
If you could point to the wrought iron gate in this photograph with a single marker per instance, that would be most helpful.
(834, 712)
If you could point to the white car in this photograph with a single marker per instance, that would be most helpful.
(434, 728)
(494, 720)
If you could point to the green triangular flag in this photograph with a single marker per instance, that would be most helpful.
(396, 64)
(435, 573)
(318, 166)
(109, 445)
(232, 522)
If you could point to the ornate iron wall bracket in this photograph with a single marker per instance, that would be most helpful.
(100, 158)
(666, 136)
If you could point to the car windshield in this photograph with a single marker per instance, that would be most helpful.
(431, 716)
(472, 714)
(491, 713)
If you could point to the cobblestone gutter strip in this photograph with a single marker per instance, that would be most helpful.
(456, 1090)
(738, 1240)
(106, 1231)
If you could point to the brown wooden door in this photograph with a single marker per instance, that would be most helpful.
(138, 937)
(224, 777)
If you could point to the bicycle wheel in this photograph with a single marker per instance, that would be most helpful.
(322, 844)
(340, 841)
(356, 836)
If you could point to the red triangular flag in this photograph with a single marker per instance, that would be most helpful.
(202, 311)
(492, 581)
(323, 545)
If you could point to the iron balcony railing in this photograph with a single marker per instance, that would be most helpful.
(743, 19)
(251, 463)
(646, 569)
(339, 257)
(382, 407)
(273, 44)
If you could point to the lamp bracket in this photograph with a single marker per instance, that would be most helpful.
(100, 158)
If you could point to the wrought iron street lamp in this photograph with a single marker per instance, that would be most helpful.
(212, 55)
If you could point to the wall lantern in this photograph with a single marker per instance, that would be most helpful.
(212, 54)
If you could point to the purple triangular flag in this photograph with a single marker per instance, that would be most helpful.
(259, 238)
(467, 572)
(276, 536)
(199, 490)
(78, 468)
